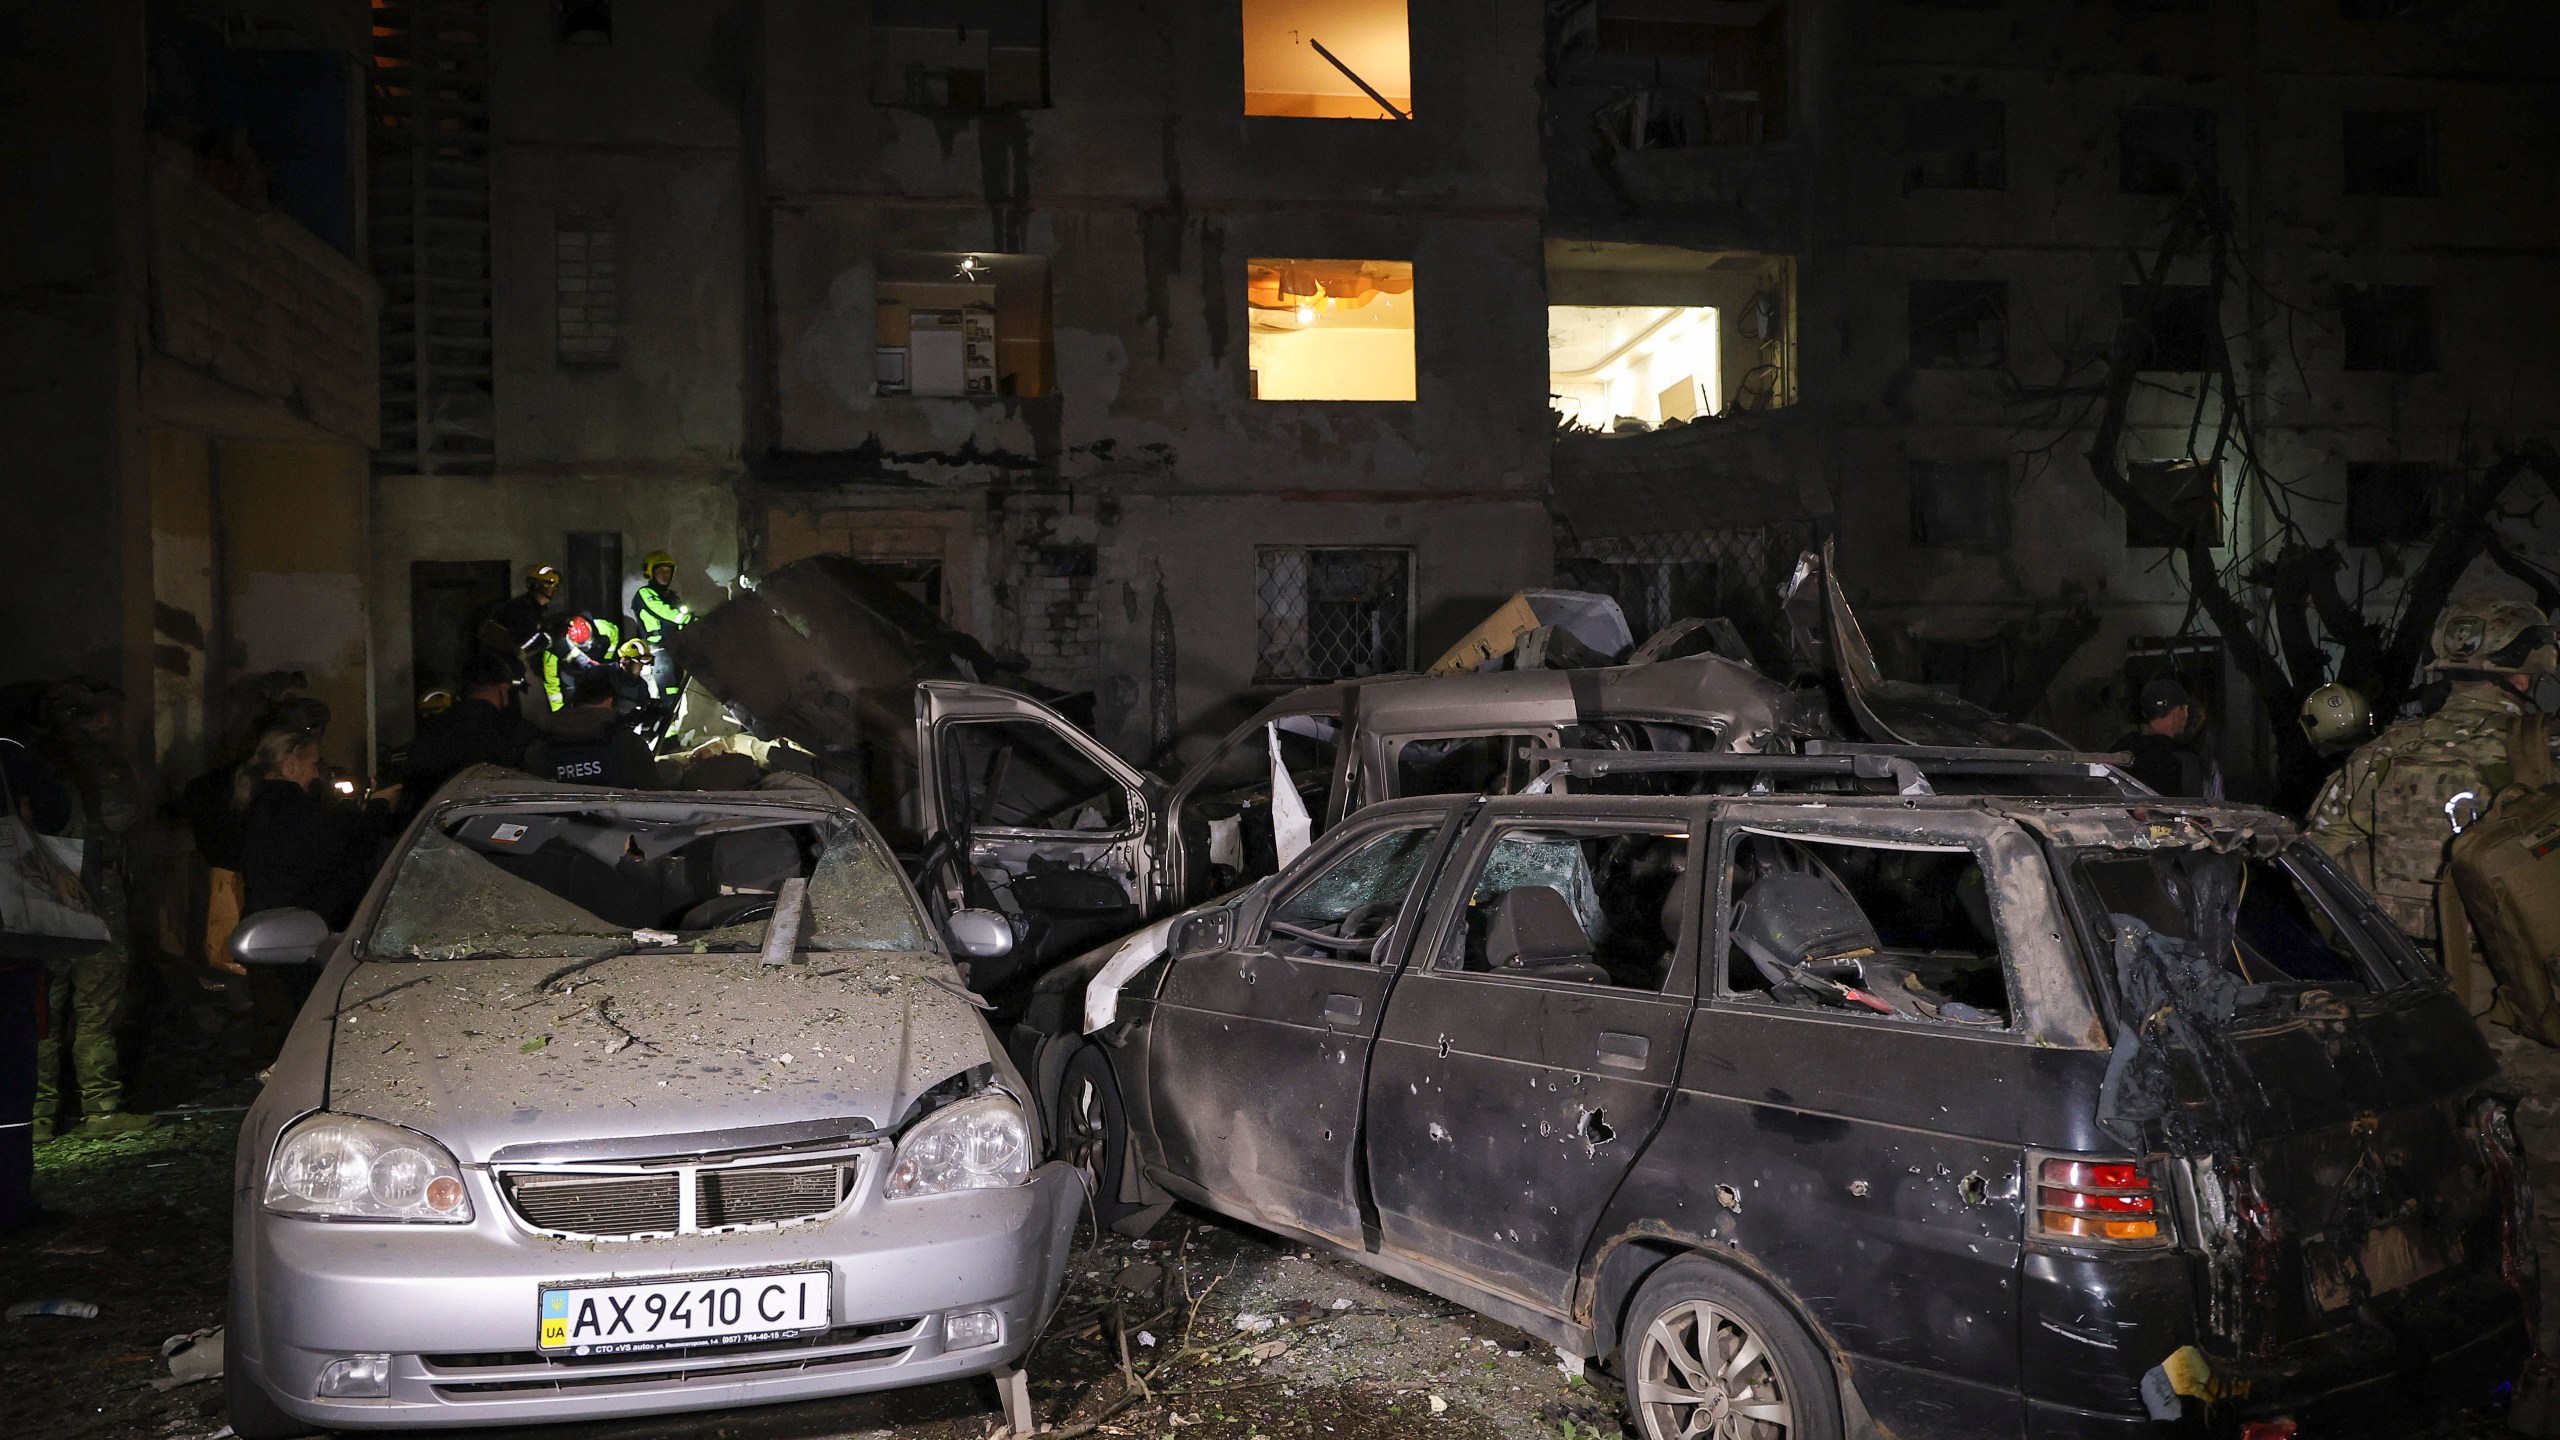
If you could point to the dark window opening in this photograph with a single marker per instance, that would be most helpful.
(1954, 143)
(2389, 152)
(584, 22)
(2390, 502)
(1467, 764)
(1331, 614)
(2182, 499)
(1960, 504)
(2164, 149)
(446, 600)
(2389, 328)
(2163, 7)
(591, 578)
(920, 577)
(1586, 907)
(2174, 327)
(1889, 933)
(2383, 9)
(960, 54)
(1022, 775)
(1959, 324)
(1678, 80)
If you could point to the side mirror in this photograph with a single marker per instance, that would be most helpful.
(279, 937)
(1203, 933)
(980, 934)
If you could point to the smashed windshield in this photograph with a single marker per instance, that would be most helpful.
(581, 882)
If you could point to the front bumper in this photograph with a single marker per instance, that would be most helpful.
(454, 1306)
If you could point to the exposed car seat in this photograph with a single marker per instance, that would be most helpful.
(1534, 931)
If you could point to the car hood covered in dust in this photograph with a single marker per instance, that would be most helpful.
(493, 1053)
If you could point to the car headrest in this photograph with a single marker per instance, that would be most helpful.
(755, 859)
(1531, 926)
(1799, 916)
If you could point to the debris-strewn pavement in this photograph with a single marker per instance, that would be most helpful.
(1229, 1333)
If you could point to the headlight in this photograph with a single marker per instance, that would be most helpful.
(352, 1168)
(974, 1144)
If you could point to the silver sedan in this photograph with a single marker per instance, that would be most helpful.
(613, 1104)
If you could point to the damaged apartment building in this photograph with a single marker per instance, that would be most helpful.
(1190, 351)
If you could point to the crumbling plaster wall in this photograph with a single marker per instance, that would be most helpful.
(2059, 234)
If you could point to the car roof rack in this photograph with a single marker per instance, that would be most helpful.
(1908, 767)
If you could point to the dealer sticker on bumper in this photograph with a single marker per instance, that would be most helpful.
(739, 1308)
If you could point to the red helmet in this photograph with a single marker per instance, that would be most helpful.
(580, 632)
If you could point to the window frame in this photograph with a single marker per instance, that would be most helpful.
(1253, 920)
(1267, 676)
(1465, 860)
(946, 732)
(1992, 295)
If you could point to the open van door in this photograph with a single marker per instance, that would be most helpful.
(1029, 816)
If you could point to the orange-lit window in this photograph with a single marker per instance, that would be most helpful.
(1327, 59)
(958, 323)
(1330, 329)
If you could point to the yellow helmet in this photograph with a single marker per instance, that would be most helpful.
(542, 577)
(2498, 637)
(435, 702)
(656, 558)
(633, 649)
(2334, 715)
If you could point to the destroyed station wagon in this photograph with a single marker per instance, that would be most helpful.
(619, 1103)
(1887, 1090)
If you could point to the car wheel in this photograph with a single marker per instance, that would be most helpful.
(1710, 1355)
(1093, 1131)
(252, 1414)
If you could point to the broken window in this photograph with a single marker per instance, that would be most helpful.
(1674, 77)
(1648, 337)
(1327, 59)
(2383, 9)
(586, 270)
(1590, 905)
(2287, 931)
(957, 323)
(578, 881)
(1904, 932)
(2389, 152)
(1344, 910)
(1226, 822)
(1467, 764)
(2174, 327)
(2390, 502)
(959, 54)
(583, 22)
(1955, 143)
(2182, 499)
(2164, 149)
(1330, 329)
(2389, 328)
(1324, 613)
(1023, 775)
(1959, 324)
(1960, 504)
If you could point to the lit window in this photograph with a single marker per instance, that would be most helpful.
(954, 323)
(1643, 337)
(1330, 329)
(959, 54)
(1321, 613)
(1327, 59)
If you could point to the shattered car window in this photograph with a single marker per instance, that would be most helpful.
(1878, 930)
(1022, 775)
(527, 881)
(1225, 820)
(1593, 907)
(1466, 765)
(2285, 931)
(1340, 913)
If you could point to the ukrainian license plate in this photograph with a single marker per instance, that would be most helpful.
(738, 1308)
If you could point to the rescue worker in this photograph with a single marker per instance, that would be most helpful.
(585, 642)
(590, 743)
(2163, 757)
(434, 704)
(2390, 815)
(511, 628)
(661, 613)
(87, 998)
(634, 670)
(2336, 718)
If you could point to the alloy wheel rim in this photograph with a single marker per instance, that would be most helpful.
(1703, 1373)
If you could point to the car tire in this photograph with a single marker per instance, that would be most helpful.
(1093, 1131)
(1707, 1352)
(253, 1415)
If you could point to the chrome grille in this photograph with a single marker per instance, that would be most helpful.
(682, 1197)
(767, 1195)
(621, 1205)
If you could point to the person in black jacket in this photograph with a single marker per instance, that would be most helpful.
(591, 743)
(484, 727)
(296, 850)
(2164, 758)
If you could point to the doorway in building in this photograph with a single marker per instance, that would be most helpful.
(445, 601)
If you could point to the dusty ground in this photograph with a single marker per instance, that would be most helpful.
(1230, 1333)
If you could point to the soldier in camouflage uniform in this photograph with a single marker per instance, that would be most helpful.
(88, 996)
(2389, 817)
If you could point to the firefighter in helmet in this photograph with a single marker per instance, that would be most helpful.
(661, 613)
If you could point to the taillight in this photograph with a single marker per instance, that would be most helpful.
(2106, 1202)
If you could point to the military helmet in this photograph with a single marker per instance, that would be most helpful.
(2335, 713)
(2500, 637)
(655, 558)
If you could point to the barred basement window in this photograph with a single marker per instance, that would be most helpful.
(1330, 614)
(587, 273)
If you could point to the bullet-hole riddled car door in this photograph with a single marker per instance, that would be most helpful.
(1527, 1057)
(1258, 1051)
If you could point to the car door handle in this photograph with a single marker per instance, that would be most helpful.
(1341, 1009)
(1623, 1052)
